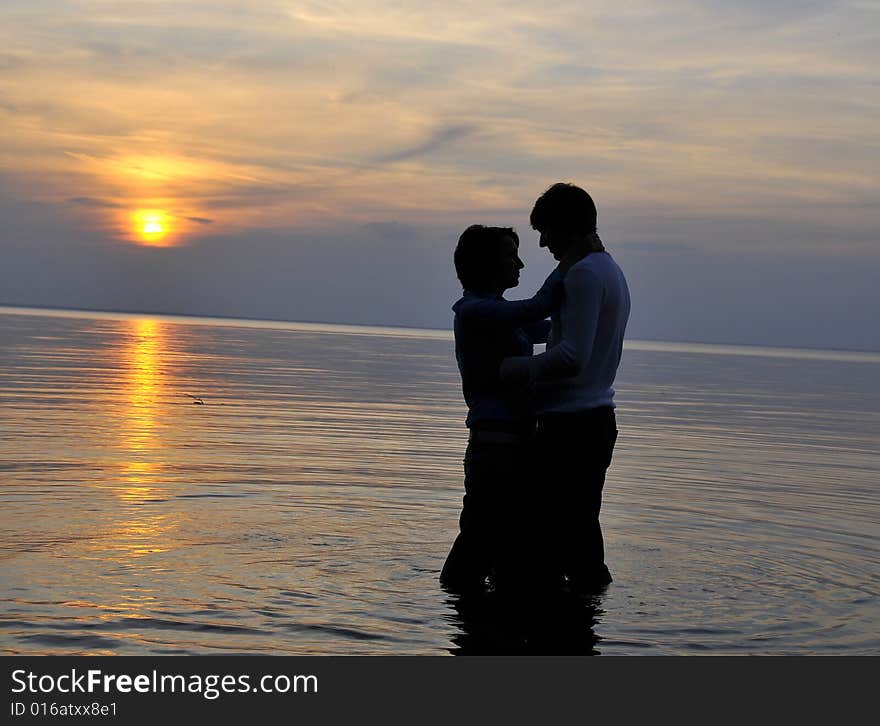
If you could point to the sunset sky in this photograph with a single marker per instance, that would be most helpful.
(316, 161)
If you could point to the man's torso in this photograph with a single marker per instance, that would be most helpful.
(592, 386)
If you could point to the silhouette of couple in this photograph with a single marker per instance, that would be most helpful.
(541, 427)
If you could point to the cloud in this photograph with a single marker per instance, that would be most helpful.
(11, 62)
(437, 140)
(92, 202)
(296, 119)
(390, 273)
(317, 95)
(391, 230)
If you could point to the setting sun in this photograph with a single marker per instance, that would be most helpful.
(152, 225)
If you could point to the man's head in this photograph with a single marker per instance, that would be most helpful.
(487, 258)
(563, 215)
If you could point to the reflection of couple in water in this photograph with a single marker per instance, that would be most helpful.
(542, 427)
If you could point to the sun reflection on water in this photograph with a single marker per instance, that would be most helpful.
(141, 441)
(144, 535)
(142, 477)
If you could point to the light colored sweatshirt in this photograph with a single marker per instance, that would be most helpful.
(577, 370)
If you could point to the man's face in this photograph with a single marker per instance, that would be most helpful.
(555, 241)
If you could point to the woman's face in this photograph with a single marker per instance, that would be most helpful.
(509, 265)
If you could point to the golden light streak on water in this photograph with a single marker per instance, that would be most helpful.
(143, 384)
(141, 535)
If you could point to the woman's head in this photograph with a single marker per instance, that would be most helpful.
(487, 258)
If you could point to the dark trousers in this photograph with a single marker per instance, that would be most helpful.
(573, 452)
(488, 525)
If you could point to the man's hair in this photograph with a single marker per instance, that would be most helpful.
(478, 254)
(564, 208)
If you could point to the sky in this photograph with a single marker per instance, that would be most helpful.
(316, 161)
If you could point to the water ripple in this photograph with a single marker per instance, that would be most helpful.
(311, 500)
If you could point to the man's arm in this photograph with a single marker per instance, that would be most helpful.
(515, 313)
(580, 318)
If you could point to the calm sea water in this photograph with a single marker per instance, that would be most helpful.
(307, 505)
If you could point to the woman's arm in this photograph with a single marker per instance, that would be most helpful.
(537, 332)
(515, 313)
(580, 319)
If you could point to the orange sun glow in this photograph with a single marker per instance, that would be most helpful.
(152, 225)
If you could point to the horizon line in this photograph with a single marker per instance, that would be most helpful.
(749, 349)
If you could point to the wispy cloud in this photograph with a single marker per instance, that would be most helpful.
(436, 141)
(293, 114)
(92, 202)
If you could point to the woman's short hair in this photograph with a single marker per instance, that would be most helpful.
(478, 254)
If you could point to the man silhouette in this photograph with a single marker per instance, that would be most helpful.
(575, 399)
